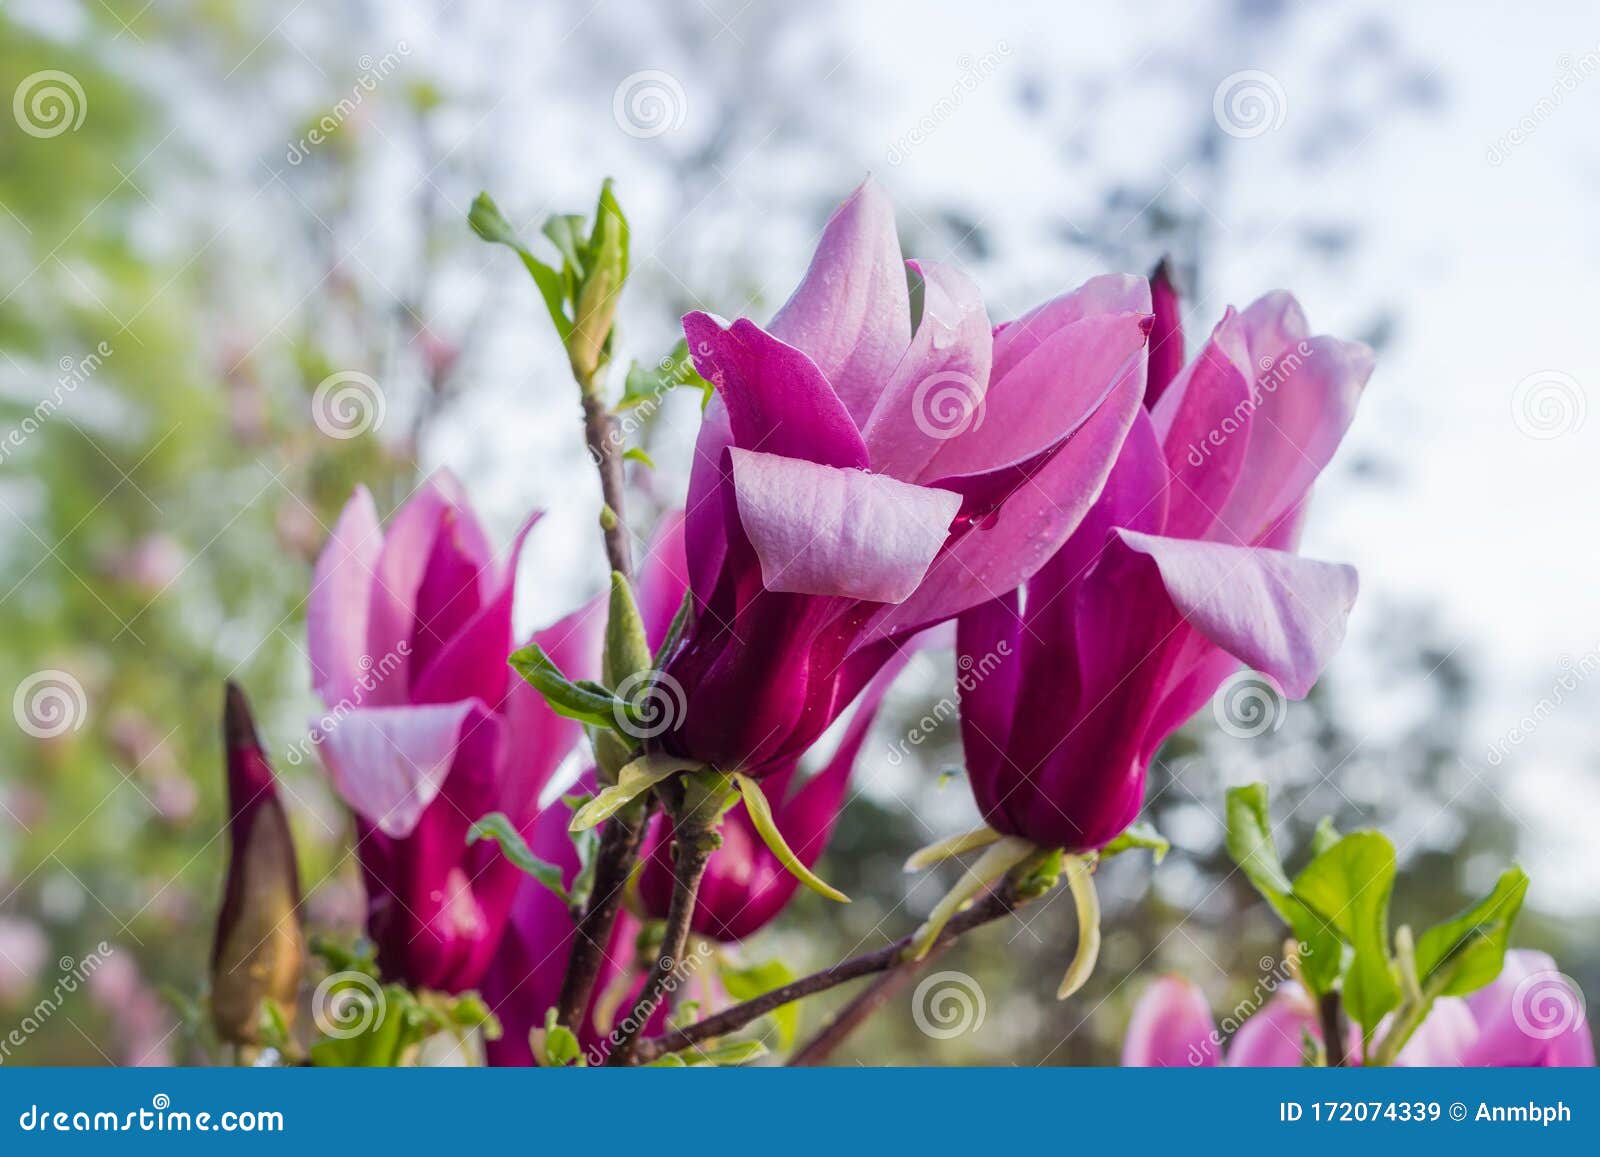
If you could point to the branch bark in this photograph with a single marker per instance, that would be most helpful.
(1001, 902)
(619, 848)
(605, 447)
(852, 1016)
(1332, 1029)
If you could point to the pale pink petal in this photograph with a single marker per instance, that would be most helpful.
(389, 763)
(852, 312)
(936, 392)
(1110, 293)
(1282, 614)
(823, 531)
(1171, 1028)
(341, 594)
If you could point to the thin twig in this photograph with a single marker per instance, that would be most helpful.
(613, 864)
(869, 1000)
(1332, 1029)
(998, 903)
(605, 447)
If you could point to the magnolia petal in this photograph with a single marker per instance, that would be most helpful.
(1166, 338)
(1171, 1028)
(1109, 293)
(389, 763)
(823, 531)
(340, 598)
(851, 314)
(778, 401)
(1280, 613)
(937, 391)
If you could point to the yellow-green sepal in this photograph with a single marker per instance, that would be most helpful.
(755, 803)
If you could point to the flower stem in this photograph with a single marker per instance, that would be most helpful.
(1332, 1029)
(614, 860)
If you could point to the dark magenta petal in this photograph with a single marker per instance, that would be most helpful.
(1166, 339)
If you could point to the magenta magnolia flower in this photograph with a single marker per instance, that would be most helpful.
(428, 729)
(1530, 1016)
(855, 480)
(745, 885)
(1181, 571)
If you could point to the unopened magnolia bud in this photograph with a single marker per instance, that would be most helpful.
(259, 948)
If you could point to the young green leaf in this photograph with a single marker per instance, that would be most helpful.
(1140, 835)
(584, 701)
(497, 826)
(633, 781)
(753, 980)
(1251, 846)
(491, 225)
(1467, 951)
(627, 650)
(1324, 837)
(565, 231)
(1349, 886)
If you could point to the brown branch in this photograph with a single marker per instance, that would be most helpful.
(614, 860)
(998, 903)
(605, 447)
(868, 1001)
(1332, 1029)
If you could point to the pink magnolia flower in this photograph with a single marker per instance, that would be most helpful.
(428, 729)
(1513, 1022)
(1181, 571)
(856, 480)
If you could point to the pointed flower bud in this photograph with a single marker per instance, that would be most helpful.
(259, 948)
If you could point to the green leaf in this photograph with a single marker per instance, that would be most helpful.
(560, 1044)
(645, 384)
(1349, 885)
(565, 231)
(490, 224)
(635, 454)
(1466, 952)
(1140, 835)
(1251, 846)
(753, 980)
(1324, 837)
(497, 826)
(760, 812)
(605, 260)
(727, 1055)
(584, 701)
(627, 650)
(633, 781)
